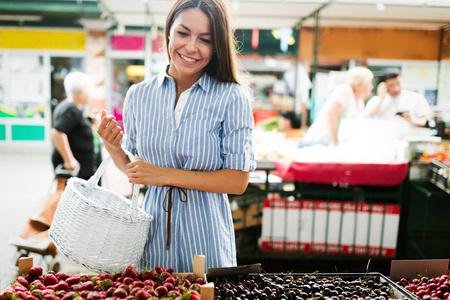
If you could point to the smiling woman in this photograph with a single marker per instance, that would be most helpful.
(191, 130)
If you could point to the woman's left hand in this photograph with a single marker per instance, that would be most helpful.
(142, 172)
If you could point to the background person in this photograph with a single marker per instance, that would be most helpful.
(190, 128)
(73, 142)
(290, 124)
(345, 101)
(392, 100)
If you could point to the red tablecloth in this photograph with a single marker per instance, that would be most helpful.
(343, 173)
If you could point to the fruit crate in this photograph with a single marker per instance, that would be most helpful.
(306, 285)
(33, 283)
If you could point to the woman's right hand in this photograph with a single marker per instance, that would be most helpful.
(110, 132)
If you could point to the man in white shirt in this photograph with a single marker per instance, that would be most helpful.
(393, 101)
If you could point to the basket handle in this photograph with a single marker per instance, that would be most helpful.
(96, 177)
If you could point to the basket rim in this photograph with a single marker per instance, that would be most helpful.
(70, 184)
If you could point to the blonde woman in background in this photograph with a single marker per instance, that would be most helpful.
(345, 101)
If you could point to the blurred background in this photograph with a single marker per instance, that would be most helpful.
(293, 54)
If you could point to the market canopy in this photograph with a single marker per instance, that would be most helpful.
(269, 14)
(249, 14)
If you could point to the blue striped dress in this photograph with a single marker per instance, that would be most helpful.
(211, 129)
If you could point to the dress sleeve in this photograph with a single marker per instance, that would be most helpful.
(238, 125)
(129, 139)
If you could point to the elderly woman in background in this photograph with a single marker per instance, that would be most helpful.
(345, 101)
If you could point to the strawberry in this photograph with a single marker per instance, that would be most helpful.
(120, 293)
(31, 297)
(137, 283)
(69, 296)
(148, 275)
(61, 276)
(50, 279)
(35, 271)
(170, 279)
(61, 286)
(23, 282)
(190, 277)
(87, 286)
(200, 281)
(73, 280)
(170, 270)
(131, 272)
(117, 275)
(168, 286)
(37, 285)
(19, 287)
(104, 276)
(191, 295)
(142, 294)
(158, 270)
(105, 284)
(110, 291)
(161, 291)
(128, 280)
(95, 296)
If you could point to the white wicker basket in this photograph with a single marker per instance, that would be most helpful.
(97, 228)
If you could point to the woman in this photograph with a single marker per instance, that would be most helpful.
(345, 101)
(191, 128)
(290, 124)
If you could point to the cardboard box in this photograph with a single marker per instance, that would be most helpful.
(330, 227)
(247, 216)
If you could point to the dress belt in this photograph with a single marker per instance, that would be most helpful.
(168, 197)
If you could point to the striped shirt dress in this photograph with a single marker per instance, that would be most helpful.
(210, 129)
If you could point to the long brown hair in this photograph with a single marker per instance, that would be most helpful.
(223, 64)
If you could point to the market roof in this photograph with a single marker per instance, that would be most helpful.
(249, 14)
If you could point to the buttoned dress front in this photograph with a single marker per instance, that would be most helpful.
(210, 130)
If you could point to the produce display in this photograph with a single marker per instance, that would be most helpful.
(307, 286)
(159, 283)
(428, 288)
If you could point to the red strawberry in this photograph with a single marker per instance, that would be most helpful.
(170, 279)
(168, 286)
(35, 271)
(73, 280)
(61, 276)
(50, 279)
(23, 282)
(31, 297)
(193, 295)
(110, 291)
(61, 286)
(95, 296)
(120, 293)
(128, 280)
(158, 270)
(87, 286)
(117, 275)
(131, 272)
(137, 283)
(104, 276)
(200, 281)
(161, 291)
(148, 275)
(19, 287)
(142, 294)
(68, 296)
(190, 277)
(37, 285)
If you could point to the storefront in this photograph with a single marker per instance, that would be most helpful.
(33, 66)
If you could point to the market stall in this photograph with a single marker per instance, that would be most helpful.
(329, 202)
